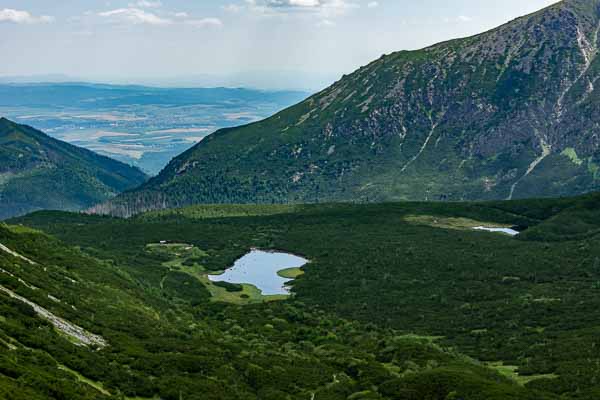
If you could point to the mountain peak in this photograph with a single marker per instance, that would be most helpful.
(510, 113)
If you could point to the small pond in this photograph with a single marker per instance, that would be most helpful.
(259, 268)
(507, 231)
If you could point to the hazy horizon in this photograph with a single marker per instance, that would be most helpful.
(253, 80)
(267, 44)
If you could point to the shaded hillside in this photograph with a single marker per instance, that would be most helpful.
(510, 113)
(38, 172)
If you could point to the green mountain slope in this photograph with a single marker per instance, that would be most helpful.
(38, 172)
(510, 113)
(159, 334)
(523, 306)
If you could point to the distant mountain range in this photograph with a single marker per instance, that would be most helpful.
(94, 96)
(510, 113)
(257, 79)
(38, 172)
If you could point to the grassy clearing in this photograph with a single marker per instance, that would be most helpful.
(249, 295)
(510, 371)
(141, 398)
(179, 251)
(187, 259)
(572, 155)
(412, 336)
(290, 273)
(20, 229)
(450, 223)
(221, 211)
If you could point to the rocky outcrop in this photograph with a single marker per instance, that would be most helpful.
(80, 335)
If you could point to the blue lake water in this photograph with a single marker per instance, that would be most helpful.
(259, 268)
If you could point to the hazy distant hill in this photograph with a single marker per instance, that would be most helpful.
(511, 113)
(90, 95)
(142, 126)
(38, 172)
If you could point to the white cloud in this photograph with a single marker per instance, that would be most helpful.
(293, 3)
(464, 18)
(136, 16)
(325, 9)
(205, 22)
(146, 4)
(373, 4)
(22, 17)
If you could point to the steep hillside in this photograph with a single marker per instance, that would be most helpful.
(510, 113)
(137, 326)
(400, 275)
(38, 172)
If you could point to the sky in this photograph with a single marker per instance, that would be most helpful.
(297, 44)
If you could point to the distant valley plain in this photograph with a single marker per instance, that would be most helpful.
(141, 126)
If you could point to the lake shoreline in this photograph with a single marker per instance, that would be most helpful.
(261, 269)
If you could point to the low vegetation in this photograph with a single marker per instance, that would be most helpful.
(291, 273)
(391, 306)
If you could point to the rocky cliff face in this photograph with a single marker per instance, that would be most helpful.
(510, 113)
